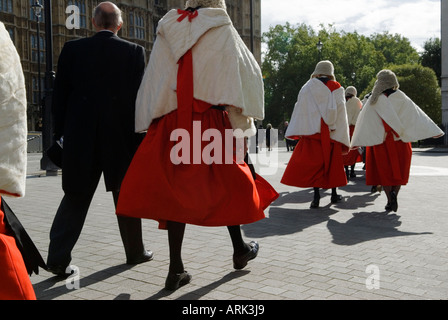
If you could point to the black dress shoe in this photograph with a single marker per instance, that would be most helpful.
(60, 271)
(240, 261)
(176, 280)
(145, 257)
(388, 207)
(335, 199)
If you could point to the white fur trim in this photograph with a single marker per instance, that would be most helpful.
(13, 121)
(225, 71)
(316, 102)
(401, 114)
(354, 106)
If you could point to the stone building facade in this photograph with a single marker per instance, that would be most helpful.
(444, 10)
(140, 22)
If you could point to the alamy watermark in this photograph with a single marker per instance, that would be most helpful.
(74, 19)
(214, 147)
(373, 278)
(73, 281)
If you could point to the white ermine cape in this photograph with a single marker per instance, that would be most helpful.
(13, 120)
(401, 114)
(354, 106)
(225, 71)
(316, 102)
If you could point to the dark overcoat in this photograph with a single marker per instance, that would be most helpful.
(93, 107)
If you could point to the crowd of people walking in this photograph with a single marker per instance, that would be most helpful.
(156, 134)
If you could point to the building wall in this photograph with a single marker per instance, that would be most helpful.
(140, 23)
(445, 67)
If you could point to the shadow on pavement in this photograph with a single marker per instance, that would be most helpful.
(367, 226)
(203, 291)
(283, 221)
(47, 289)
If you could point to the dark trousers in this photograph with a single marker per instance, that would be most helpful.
(68, 224)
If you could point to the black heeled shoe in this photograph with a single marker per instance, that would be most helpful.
(336, 198)
(388, 207)
(176, 280)
(315, 204)
(240, 261)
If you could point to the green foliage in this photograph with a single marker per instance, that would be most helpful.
(292, 55)
(420, 84)
(432, 56)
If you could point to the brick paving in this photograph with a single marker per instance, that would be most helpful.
(327, 254)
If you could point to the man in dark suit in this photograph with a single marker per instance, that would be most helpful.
(94, 113)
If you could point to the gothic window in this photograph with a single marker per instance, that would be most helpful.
(34, 49)
(11, 33)
(6, 6)
(136, 26)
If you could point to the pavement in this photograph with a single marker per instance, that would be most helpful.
(353, 250)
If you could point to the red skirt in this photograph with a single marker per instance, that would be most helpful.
(353, 156)
(389, 163)
(200, 194)
(316, 162)
(15, 282)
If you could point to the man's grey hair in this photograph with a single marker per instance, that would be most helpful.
(107, 19)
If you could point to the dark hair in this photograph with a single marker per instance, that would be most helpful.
(107, 20)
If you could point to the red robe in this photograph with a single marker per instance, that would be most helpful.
(353, 156)
(15, 282)
(389, 163)
(317, 160)
(201, 194)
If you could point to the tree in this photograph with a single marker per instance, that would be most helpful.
(432, 57)
(292, 55)
(420, 84)
(396, 49)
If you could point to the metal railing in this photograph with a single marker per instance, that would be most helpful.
(35, 142)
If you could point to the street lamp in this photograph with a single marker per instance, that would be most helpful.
(37, 9)
(252, 49)
(319, 46)
(47, 125)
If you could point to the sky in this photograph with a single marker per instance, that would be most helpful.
(417, 20)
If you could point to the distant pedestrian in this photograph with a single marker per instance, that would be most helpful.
(289, 146)
(94, 109)
(19, 257)
(319, 122)
(387, 125)
(199, 49)
(354, 106)
(268, 136)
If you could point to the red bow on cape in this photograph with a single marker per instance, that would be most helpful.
(187, 13)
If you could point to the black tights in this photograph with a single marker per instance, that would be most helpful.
(176, 231)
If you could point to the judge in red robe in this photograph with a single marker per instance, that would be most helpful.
(387, 125)
(199, 96)
(319, 122)
(354, 106)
